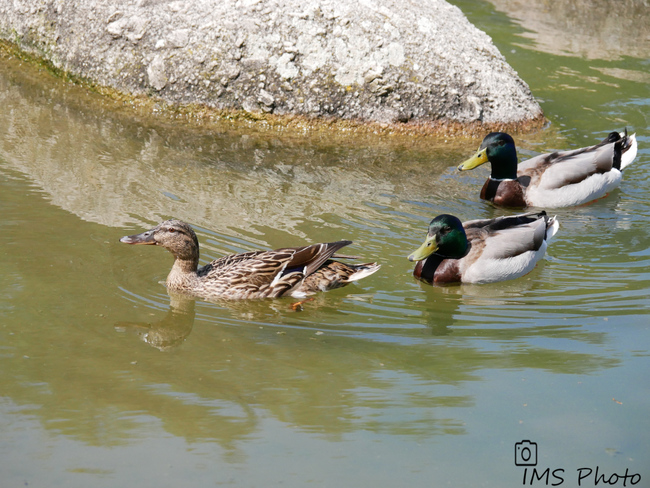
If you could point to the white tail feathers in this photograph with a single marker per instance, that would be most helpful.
(628, 156)
(553, 225)
(363, 271)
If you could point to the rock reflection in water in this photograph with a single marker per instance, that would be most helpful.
(603, 29)
(115, 171)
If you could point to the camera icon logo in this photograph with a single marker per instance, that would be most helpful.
(526, 453)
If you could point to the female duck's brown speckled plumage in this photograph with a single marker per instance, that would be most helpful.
(298, 271)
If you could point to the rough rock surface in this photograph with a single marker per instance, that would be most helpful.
(374, 60)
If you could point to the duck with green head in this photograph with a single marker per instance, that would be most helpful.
(482, 251)
(559, 179)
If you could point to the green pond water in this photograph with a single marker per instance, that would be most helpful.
(106, 381)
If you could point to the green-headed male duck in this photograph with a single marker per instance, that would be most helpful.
(482, 251)
(559, 179)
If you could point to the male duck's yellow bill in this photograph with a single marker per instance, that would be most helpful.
(425, 250)
(477, 160)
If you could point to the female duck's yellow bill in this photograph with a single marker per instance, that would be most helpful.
(425, 250)
(477, 160)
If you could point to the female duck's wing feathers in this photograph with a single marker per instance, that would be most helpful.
(333, 274)
(311, 257)
(267, 273)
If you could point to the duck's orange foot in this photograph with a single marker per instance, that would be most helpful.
(297, 307)
(591, 202)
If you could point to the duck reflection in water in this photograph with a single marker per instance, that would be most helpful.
(175, 327)
(169, 332)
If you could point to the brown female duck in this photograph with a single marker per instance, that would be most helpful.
(297, 271)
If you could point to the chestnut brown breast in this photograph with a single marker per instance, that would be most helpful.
(508, 193)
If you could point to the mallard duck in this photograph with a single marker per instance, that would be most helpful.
(559, 179)
(482, 251)
(297, 271)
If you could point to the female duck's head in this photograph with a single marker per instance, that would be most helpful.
(446, 237)
(174, 235)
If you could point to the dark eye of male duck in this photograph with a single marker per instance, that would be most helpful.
(482, 251)
(559, 179)
(296, 271)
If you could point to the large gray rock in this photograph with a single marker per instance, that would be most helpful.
(374, 60)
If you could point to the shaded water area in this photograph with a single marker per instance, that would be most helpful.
(108, 381)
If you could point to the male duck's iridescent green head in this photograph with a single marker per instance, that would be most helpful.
(446, 237)
(174, 235)
(499, 149)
